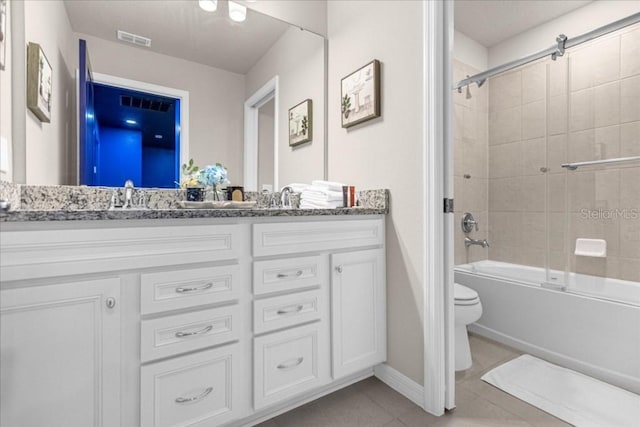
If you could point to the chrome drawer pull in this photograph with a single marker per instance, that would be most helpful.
(291, 364)
(195, 288)
(181, 334)
(283, 275)
(195, 398)
(296, 309)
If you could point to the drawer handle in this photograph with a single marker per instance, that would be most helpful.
(291, 363)
(181, 334)
(283, 275)
(195, 288)
(194, 398)
(296, 309)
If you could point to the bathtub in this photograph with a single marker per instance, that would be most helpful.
(592, 327)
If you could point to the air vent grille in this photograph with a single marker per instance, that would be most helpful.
(144, 103)
(134, 39)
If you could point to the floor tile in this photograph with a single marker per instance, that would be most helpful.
(389, 399)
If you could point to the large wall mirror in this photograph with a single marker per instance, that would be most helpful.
(181, 97)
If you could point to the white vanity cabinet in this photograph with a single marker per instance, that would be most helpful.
(60, 354)
(210, 322)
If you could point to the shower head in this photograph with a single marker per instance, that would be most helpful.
(468, 94)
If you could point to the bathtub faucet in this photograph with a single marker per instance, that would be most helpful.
(468, 242)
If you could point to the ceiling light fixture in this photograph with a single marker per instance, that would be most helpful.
(237, 12)
(208, 5)
(131, 122)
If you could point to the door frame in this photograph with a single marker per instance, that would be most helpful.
(251, 106)
(438, 327)
(182, 95)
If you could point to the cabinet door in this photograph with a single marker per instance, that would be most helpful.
(358, 311)
(60, 355)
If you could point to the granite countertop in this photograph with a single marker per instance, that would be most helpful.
(70, 203)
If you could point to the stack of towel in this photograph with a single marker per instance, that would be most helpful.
(322, 195)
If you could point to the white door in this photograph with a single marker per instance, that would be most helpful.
(358, 311)
(60, 355)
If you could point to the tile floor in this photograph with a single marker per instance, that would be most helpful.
(372, 403)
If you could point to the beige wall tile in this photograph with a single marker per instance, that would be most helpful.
(629, 269)
(581, 190)
(556, 152)
(582, 110)
(458, 120)
(504, 125)
(630, 53)
(556, 193)
(504, 194)
(458, 205)
(581, 146)
(532, 196)
(607, 104)
(534, 82)
(474, 194)
(630, 99)
(505, 253)
(630, 187)
(475, 161)
(590, 266)
(534, 231)
(557, 116)
(505, 160)
(607, 142)
(458, 157)
(534, 156)
(630, 235)
(505, 229)
(580, 63)
(558, 76)
(607, 189)
(534, 120)
(583, 226)
(557, 260)
(605, 60)
(630, 139)
(532, 257)
(556, 231)
(505, 91)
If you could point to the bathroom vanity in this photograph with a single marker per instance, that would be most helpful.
(219, 320)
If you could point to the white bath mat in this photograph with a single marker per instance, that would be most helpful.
(573, 397)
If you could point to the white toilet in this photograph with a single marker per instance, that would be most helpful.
(467, 310)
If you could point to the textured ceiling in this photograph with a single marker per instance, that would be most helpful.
(181, 29)
(490, 22)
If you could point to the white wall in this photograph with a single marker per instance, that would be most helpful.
(5, 108)
(216, 97)
(298, 58)
(48, 145)
(575, 23)
(470, 52)
(308, 14)
(386, 152)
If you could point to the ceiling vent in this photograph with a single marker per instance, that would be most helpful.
(144, 103)
(134, 39)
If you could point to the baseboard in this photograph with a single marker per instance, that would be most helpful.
(400, 383)
(606, 375)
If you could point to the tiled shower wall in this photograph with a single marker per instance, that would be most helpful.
(584, 106)
(470, 121)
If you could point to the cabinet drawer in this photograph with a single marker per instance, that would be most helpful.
(290, 273)
(287, 310)
(293, 238)
(290, 362)
(191, 331)
(170, 290)
(192, 389)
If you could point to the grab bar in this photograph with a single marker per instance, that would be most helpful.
(576, 165)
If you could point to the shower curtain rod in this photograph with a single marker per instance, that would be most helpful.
(558, 50)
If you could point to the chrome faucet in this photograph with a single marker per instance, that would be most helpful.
(285, 197)
(468, 242)
(128, 194)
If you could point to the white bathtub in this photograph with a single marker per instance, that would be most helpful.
(593, 327)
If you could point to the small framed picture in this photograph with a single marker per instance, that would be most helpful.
(301, 123)
(360, 95)
(39, 83)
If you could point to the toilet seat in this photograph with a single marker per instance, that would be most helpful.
(464, 296)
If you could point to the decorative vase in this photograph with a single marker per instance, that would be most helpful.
(214, 190)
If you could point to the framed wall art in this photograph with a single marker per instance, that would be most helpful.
(39, 83)
(301, 123)
(360, 95)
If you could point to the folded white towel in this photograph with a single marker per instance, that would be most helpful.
(305, 204)
(329, 185)
(321, 194)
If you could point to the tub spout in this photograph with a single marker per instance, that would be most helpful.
(468, 242)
